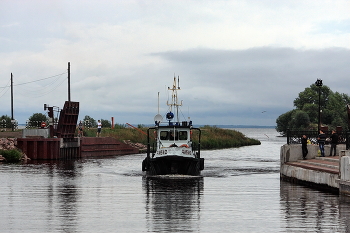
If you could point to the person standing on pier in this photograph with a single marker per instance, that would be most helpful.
(334, 142)
(304, 146)
(321, 140)
(99, 127)
(80, 129)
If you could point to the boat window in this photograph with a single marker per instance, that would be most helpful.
(169, 135)
(172, 135)
(163, 135)
(183, 135)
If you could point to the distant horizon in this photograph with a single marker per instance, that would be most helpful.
(220, 126)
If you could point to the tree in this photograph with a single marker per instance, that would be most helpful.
(300, 120)
(106, 123)
(309, 98)
(310, 95)
(305, 116)
(89, 121)
(37, 118)
(283, 122)
(312, 111)
(5, 121)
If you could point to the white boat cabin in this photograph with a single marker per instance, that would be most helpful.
(174, 137)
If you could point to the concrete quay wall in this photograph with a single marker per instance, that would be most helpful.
(293, 168)
(311, 177)
(293, 153)
(344, 173)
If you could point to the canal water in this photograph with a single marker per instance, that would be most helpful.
(240, 192)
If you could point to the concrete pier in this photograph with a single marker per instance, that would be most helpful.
(330, 173)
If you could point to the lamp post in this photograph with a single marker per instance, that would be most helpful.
(319, 85)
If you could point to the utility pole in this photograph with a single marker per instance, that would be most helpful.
(69, 81)
(12, 119)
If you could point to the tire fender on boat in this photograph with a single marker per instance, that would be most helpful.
(144, 165)
(201, 164)
(184, 145)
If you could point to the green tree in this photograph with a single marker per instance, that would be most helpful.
(332, 105)
(300, 120)
(336, 109)
(310, 95)
(283, 121)
(37, 118)
(89, 121)
(312, 111)
(5, 121)
(106, 123)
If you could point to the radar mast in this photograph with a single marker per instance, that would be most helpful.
(174, 105)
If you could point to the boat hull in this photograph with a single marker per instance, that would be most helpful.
(173, 165)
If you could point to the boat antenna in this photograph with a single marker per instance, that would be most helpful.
(174, 100)
(158, 102)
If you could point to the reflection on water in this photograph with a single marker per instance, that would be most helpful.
(39, 194)
(68, 195)
(173, 205)
(240, 192)
(310, 210)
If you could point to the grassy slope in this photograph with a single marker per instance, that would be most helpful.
(212, 137)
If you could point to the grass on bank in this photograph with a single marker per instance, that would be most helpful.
(11, 156)
(218, 138)
(212, 137)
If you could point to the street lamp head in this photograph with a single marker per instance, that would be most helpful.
(319, 82)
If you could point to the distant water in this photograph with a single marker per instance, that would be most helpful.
(240, 192)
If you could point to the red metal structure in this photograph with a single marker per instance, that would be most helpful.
(68, 120)
(63, 144)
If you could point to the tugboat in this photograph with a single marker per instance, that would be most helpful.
(174, 150)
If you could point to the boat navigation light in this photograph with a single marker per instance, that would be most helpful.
(170, 115)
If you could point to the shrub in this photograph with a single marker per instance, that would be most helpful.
(11, 155)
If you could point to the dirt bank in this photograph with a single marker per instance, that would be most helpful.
(10, 134)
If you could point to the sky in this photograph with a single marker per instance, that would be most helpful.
(240, 62)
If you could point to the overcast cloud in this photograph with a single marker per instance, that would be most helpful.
(239, 62)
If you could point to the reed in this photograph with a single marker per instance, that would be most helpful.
(11, 156)
(212, 137)
(218, 138)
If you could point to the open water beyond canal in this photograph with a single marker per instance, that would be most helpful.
(240, 192)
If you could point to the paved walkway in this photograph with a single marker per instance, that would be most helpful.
(324, 164)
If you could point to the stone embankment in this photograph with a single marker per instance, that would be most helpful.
(9, 144)
(137, 145)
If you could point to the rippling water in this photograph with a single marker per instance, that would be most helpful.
(240, 192)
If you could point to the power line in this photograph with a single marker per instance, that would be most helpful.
(40, 92)
(7, 85)
(4, 92)
(40, 79)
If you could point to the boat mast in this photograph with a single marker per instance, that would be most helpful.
(174, 100)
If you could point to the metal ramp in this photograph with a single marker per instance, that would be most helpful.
(68, 120)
